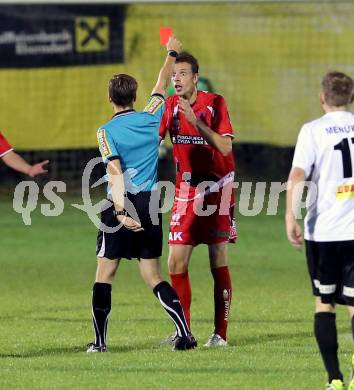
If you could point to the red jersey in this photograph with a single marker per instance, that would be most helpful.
(5, 147)
(190, 150)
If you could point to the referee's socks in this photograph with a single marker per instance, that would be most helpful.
(101, 307)
(171, 303)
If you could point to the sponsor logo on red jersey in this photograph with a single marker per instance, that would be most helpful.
(190, 150)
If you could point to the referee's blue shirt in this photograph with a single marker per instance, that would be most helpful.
(133, 138)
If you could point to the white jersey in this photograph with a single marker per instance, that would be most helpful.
(325, 150)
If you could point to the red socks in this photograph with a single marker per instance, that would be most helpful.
(181, 283)
(222, 299)
(222, 296)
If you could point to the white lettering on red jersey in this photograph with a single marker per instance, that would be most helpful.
(190, 150)
(5, 147)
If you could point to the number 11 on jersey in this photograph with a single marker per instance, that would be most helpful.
(344, 147)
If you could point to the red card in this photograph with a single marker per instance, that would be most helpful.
(165, 34)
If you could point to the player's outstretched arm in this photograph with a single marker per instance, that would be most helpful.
(174, 47)
(16, 162)
(293, 198)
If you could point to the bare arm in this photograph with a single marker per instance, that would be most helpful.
(16, 162)
(116, 180)
(293, 199)
(165, 74)
(221, 143)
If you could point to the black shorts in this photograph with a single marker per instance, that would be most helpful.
(331, 268)
(124, 243)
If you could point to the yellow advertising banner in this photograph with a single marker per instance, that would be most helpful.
(267, 60)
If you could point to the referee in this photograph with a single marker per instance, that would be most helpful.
(129, 147)
(325, 151)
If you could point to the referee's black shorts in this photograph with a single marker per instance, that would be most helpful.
(331, 268)
(124, 243)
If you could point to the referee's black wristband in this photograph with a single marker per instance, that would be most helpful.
(172, 53)
(120, 212)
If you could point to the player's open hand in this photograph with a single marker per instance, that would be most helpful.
(130, 223)
(38, 169)
(174, 44)
(294, 233)
(185, 107)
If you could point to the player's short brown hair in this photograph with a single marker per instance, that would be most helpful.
(122, 89)
(189, 59)
(337, 88)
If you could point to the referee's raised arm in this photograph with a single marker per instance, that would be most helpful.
(173, 47)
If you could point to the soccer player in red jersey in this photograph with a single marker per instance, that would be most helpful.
(201, 134)
(16, 162)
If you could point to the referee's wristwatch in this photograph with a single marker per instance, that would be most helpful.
(172, 53)
(120, 212)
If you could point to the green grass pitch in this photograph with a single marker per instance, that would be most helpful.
(46, 276)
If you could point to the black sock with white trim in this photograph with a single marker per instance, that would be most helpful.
(326, 336)
(171, 303)
(101, 307)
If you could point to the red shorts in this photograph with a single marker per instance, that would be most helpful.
(202, 218)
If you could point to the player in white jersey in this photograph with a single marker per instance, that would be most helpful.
(324, 155)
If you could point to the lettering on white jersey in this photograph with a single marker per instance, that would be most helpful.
(325, 148)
